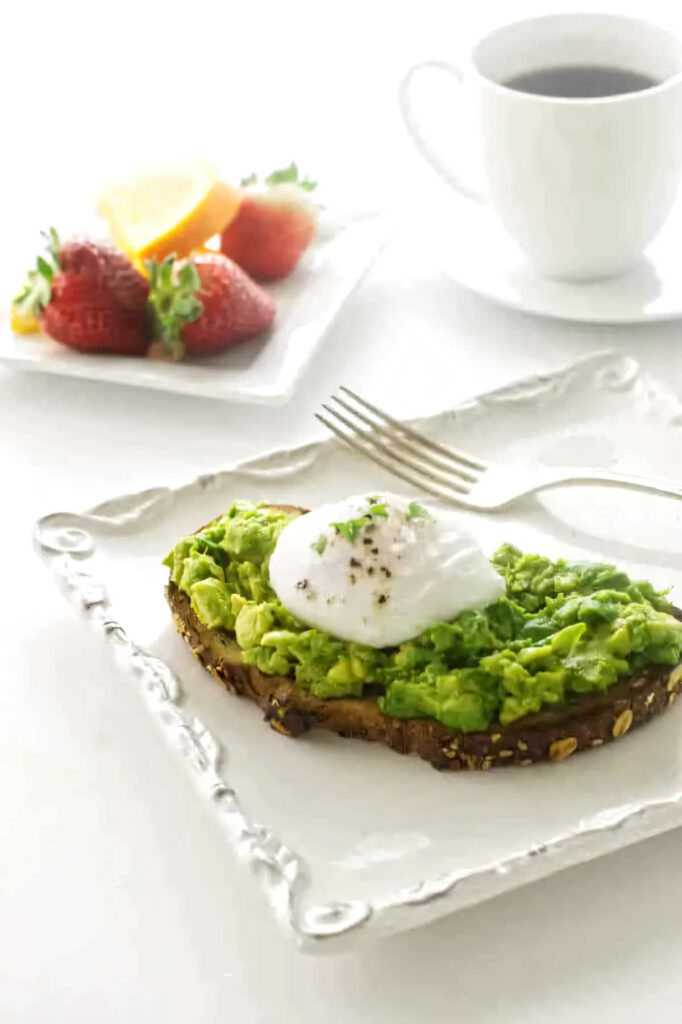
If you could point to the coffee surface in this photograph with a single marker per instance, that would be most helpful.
(584, 81)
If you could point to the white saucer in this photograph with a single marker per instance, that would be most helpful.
(472, 248)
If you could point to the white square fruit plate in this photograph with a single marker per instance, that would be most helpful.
(351, 839)
(263, 370)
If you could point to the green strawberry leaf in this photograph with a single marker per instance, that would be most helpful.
(285, 175)
(37, 289)
(188, 277)
(173, 300)
(53, 243)
(44, 267)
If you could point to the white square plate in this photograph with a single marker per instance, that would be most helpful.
(349, 838)
(264, 370)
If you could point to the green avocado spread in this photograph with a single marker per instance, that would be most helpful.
(561, 629)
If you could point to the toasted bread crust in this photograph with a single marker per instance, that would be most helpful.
(552, 735)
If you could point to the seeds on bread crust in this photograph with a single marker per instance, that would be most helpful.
(622, 723)
(560, 750)
(675, 681)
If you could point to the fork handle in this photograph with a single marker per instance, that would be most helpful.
(652, 484)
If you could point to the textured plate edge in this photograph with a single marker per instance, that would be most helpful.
(63, 539)
(278, 393)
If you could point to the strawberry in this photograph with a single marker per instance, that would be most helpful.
(274, 225)
(89, 296)
(205, 304)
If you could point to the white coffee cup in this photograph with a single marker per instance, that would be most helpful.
(581, 185)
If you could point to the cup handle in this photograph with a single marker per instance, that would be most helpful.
(407, 109)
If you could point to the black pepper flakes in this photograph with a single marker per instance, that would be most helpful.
(355, 563)
(387, 572)
(382, 598)
(302, 585)
(374, 551)
(366, 540)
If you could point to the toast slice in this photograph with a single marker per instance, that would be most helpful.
(553, 734)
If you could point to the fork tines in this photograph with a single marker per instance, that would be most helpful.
(400, 449)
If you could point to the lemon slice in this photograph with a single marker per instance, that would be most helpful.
(169, 210)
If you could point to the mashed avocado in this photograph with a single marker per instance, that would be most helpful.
(562, 628)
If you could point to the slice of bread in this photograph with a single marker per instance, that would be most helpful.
(551, 735)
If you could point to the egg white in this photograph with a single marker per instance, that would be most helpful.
(401, 573)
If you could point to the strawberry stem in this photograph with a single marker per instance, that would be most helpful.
(173, 300)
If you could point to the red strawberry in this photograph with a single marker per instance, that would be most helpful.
(205, 304)
(273, 226)
(89, 296)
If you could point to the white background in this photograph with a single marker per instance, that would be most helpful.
(118, 900)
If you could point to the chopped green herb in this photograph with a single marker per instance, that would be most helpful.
(351, 529)
(320, 544)
(379, 509)
(417, 511)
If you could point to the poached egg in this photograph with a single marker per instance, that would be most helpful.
(379, 569)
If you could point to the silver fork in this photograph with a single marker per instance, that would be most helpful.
(451, 473)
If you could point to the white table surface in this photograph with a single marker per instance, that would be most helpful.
(118, 899)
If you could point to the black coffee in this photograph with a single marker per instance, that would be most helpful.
(583, 81)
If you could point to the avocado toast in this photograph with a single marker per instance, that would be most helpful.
(568, 656)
